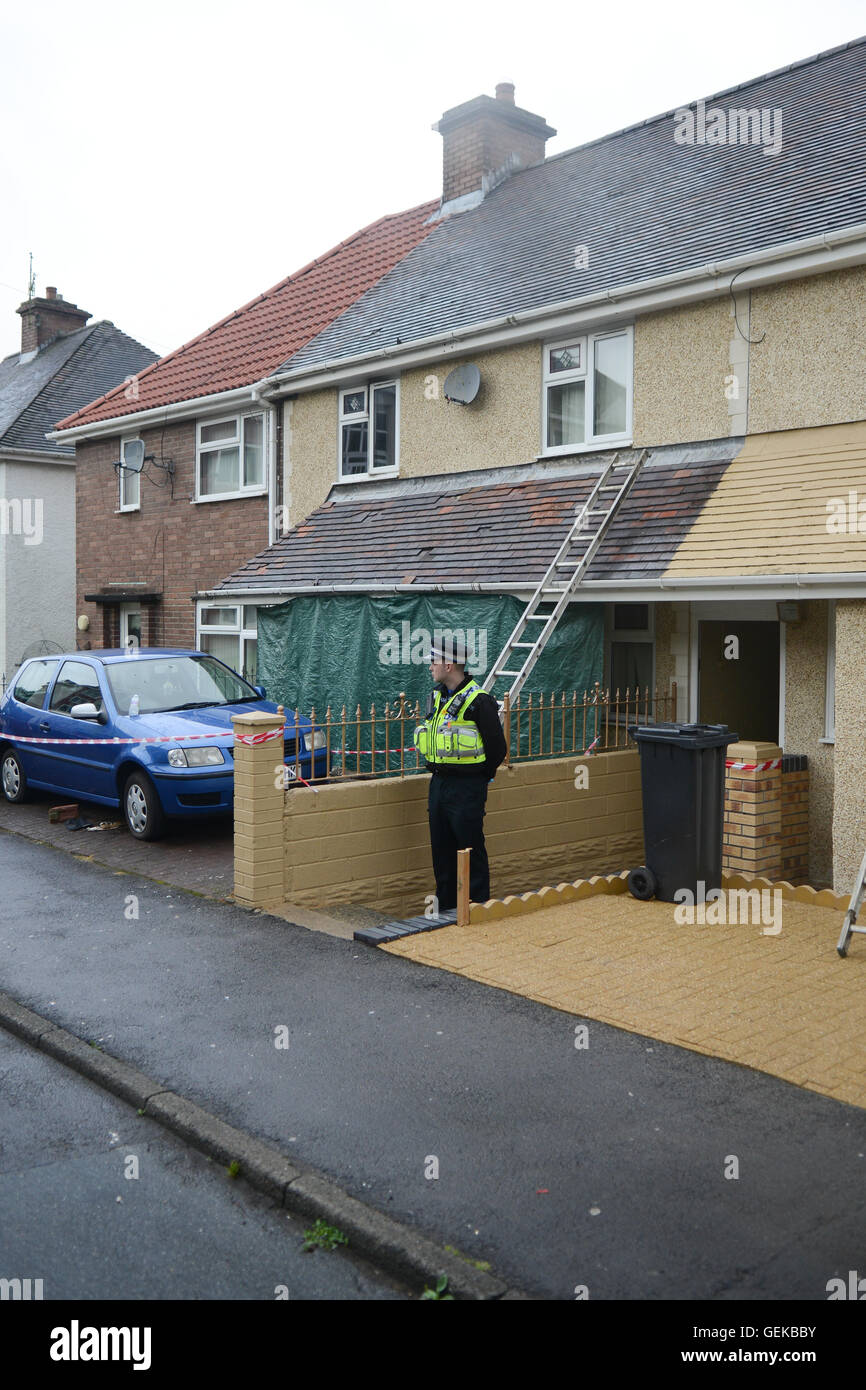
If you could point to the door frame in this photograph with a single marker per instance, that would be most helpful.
(760, 611)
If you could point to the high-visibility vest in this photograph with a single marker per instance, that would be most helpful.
(447, 736)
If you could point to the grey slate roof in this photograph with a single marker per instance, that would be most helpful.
(63, 376)
(501, 525)
(644, 206)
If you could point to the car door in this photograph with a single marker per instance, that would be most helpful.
(83, 767)
(22, 712)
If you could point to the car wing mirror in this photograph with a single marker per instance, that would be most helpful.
(85, 711)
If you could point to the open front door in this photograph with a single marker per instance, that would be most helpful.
(738, 677)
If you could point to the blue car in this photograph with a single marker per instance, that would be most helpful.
(146, 693)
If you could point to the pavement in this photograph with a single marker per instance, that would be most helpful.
(784, 1003)
(464, 1114)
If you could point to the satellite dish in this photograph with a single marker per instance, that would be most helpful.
(133, 456)
(462, 384)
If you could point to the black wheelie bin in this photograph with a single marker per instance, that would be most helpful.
(682, 769)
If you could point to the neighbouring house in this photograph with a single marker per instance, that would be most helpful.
(63, 363)
(693, 286)
(210, 493)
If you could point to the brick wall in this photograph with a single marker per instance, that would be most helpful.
(795, 824)
(171, 546)
(480, 147)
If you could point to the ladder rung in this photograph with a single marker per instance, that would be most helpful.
(509, 673)
(530, 645)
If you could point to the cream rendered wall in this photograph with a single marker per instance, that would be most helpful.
(849, 814)
(681, 360)
(810, 368)
(805, 687)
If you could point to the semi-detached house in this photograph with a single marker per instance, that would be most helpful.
(693, 286)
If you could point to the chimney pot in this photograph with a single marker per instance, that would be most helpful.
(50, 291)
(505, 92)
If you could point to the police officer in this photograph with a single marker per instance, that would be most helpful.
(463, 744)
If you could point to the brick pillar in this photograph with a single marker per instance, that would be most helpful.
(795, 820)
(753, 811)
(258, 811)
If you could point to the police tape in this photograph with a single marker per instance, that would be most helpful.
(733, 766)
(264, 737)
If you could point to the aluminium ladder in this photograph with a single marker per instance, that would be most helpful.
(854, 906)
(565, 572)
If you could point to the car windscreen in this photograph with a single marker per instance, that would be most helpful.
(175, 682)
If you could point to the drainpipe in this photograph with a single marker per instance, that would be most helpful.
(271, 418)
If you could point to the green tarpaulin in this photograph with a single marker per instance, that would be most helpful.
(347, 649)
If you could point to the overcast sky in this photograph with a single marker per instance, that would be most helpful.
(167, 162)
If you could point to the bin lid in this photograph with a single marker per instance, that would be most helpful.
(684, 735)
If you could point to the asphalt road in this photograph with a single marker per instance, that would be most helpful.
(601, 1167)
(101, 1204)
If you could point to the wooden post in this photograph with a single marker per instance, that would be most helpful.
(463, 887)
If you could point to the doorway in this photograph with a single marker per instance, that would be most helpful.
(738, 676)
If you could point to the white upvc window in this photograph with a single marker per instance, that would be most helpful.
(587, 385)
(631, 647)
(129, 495)
(230, 457)
(229, 631)
(369, 433)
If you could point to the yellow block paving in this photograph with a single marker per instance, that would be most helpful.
(785, 1004)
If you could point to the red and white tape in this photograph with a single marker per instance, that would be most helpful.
(262, 737)
(753, 767)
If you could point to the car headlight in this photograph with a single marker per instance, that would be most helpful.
(195, 757)
(316, 741)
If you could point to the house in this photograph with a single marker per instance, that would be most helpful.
(63, 363)
(209, 493)
(693, 286)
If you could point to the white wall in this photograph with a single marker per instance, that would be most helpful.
(37, 571)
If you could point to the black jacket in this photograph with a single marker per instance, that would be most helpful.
(484, 712)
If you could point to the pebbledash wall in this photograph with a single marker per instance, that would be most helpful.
(171, 545)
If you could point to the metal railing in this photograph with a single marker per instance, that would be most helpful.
(555, 725)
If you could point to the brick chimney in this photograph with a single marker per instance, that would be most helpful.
(485, 140)
(42, 320)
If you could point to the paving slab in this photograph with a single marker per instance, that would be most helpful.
(785, 1004)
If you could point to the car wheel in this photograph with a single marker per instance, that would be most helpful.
(12, 776)
(142, 810)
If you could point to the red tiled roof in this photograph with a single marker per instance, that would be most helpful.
(256, 339)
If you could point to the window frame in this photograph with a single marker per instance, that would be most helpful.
(236, 442)
(643, 636)
(123, 474)
(591, 441)
(239, 629)
(368, 387)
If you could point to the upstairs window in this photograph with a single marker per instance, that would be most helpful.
(587, 391)
(130, 483)
(368, 429)
(230, 457)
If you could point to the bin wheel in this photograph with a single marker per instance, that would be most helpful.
(642, 884)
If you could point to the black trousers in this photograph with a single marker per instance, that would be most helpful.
(455, 806)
